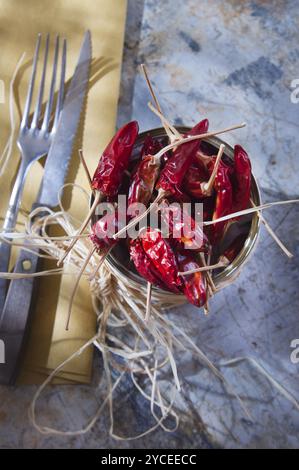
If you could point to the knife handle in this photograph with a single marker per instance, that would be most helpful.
(5, 250)
(16, 315)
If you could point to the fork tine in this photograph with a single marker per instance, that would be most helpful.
(61, 87)
(31, 84)
(41, 88)
(47, 116)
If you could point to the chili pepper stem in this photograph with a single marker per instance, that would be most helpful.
(207, 187)
(90, 254)
(224, 259)
(161, 194)
(97, 199)
(209, 287)
(196, 137)
(83, 161)
(148, 302)
(148, 82)
(251, 210)
(228, 225)
(211, 290)
(174, 135)
(204, 158)
(220, 264)
(170, 130)
(206, 307)
(208, 275)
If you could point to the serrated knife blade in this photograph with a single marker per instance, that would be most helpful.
(60, 152)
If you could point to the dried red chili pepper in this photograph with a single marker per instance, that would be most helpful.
(194, 285)
(147, 171)
(223, 188)
(200, 128)
(143, 180)
(106, 181)
(114, 160)
(201, 175)
(150, 146)
(159, 251)
(195, 176)
(202, 159)
(110, 170)
(241, 179)
(103, 230)
(144, 265)
(207, 161)
(179, 198)
(173, 173)
(184, 233)
(171, 176)
(167, 155)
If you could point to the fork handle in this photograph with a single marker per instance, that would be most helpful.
(15, 316)
(15, 198)
(9, 225)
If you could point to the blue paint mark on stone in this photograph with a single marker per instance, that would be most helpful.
(258, 10)
(259, 76)
(192, 43)
(178, 121)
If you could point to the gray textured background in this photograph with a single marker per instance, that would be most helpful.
(229, 61)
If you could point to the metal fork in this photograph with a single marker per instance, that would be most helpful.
(34, 140)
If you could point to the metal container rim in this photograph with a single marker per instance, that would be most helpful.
(232, 270)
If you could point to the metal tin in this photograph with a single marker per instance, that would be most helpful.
(226, 275)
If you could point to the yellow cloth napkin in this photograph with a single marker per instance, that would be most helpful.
(49, 344)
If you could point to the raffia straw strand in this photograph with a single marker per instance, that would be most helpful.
(6, 154)
(275, 237)
(272, 233)
(6, 236)
(211, 366)
(148, 301)
(288, 395)
(154, 342)
(82, 227)
(50, 272)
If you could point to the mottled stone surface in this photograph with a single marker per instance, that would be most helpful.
(231, 62)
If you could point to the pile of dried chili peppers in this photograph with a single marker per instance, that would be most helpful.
(189, 172)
